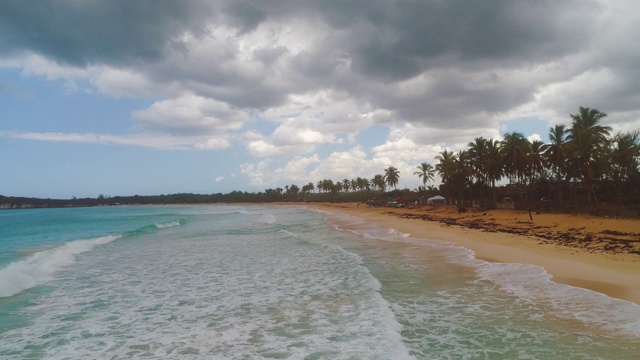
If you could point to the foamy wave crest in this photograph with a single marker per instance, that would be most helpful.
(168, 224)
(41, 266)
(266, 219)
(535, 283)
(285, 231)
(221, 210)
(395, 232)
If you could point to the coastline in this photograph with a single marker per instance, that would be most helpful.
(613, 273)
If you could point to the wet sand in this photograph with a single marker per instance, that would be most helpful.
(595, 253)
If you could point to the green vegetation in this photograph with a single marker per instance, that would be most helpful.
(600, 172)
(426, 172)
(391, 176)
(583, 159)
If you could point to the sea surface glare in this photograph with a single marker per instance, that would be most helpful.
(268, 282)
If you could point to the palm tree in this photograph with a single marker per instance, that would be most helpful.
(346, 184)
(446, 168)
(379, 182)
(555, 155)
(426, 172)
(536, 162)
(325, 185)
(354, 185)
(625, 159)
(308, 188)
(366, 184)
(588, 120)
(493, 165)
(588, 141)
(515, 150)
(363, 184)
(463, 174)
(478, 153)
(391, 176)
(293, 190)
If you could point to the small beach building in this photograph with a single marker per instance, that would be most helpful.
(435, 200)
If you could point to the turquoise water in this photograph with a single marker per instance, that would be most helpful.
(230, 282)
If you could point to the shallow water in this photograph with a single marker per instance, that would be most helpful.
(279, 282)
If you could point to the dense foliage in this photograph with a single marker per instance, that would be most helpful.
(584, 159)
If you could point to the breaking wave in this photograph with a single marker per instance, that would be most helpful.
(41, 266)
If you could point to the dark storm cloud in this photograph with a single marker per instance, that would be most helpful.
(363, 48)
(398, 40)
(244, 17)
(386, 42)
(385, 39)
(81, 32)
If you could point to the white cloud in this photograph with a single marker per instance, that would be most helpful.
(155, 141)
(210, 143)
(326, 112)
(308, 120)
(296, 170)
(191, 114)
(119, 83)
(256, 172)
(345, 164)
(263, 148)
(534, 137)
(304, 169)
(294, 132)
(37, 65)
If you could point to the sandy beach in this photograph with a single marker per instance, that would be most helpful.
(595, 253)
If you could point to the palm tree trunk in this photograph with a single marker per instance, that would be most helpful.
(618, 195)
(559, 189)
(493, 190)
(595, 197)
(587, 180)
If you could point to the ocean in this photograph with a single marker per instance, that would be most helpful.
(279, 282)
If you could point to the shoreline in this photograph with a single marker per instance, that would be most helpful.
(613, 274)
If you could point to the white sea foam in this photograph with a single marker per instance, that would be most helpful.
(285, 231)
(528, 283)
(270, 295)
(535, 284)
(219, 210)
(41, 266)
(318, 294)
(394, 232)
(267, 219)
(168, 224)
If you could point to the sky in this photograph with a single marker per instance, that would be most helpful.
(149, 97)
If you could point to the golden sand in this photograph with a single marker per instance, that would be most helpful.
(594, 253)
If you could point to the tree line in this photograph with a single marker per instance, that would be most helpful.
(583, 159)
(584, 156)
